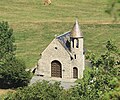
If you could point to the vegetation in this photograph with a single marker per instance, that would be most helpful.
(34, 11)
(35, 25)
(102, 79)
(12, 70)
(114, 9)
(100, 82)
(39, 91)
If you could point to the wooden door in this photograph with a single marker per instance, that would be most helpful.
(56, 70)
(75, 72)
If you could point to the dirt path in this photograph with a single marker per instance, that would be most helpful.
(69, 21)
(4, 91)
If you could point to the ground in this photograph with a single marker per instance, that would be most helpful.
(65, 83)
(4, 91)
(35, 25)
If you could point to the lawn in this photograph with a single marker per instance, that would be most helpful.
(35, 25)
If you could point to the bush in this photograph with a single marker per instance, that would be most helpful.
(103, 78)
(39, 91)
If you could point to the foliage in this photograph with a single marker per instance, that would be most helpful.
(114, 9)
(39, 91)
(12, 70)
(112, 95)
(103, 77)
(7, 47)
(13, 74)
(100, 82)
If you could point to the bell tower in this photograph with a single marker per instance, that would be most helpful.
(76, 42)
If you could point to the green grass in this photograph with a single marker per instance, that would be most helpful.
(35, 25)
(60, 10)
(33, 40)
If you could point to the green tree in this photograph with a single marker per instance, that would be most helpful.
(39, 91)
(100, 82)
(12, 70)
(102, 79)
(7, 47)
(114, 9)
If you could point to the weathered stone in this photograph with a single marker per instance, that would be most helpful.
(66, 52)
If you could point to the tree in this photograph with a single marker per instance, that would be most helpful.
(12, 70)
(113, 9)
(7, 47)
(102, 79)
(100, 82)
(39, 91)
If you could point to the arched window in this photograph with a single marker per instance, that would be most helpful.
(72, 42)
(77, 44)
(75, 72)
(56, 69)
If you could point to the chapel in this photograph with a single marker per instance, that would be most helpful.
(64, 56)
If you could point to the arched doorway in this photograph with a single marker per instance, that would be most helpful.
(75, 72)
(56, 69)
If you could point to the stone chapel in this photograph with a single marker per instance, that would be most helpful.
(64, 56)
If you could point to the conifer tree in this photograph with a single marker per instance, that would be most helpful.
(12, 70)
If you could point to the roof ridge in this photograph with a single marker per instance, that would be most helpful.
(63, 34)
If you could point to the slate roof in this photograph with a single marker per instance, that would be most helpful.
(64, 39)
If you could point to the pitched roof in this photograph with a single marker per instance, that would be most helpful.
(64, 39)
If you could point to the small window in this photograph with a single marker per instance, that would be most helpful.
(75, 72)
(75, 56)
(77, 44)
(72, 42)
(71, 58)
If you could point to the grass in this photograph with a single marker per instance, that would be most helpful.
(35, 25)
(60, 10)
(33, 40)
(4, 92)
